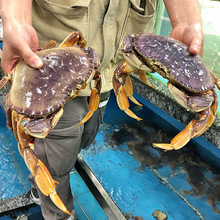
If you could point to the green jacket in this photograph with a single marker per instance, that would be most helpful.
(104, 23)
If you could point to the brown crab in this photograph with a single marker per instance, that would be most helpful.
(36, 98)
(189, 80)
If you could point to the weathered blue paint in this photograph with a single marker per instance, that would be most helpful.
(13, 170)
(14, 182)
(138, 177)
(183, 184)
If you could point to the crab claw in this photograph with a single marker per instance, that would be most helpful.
(43, 179)
(47, 185)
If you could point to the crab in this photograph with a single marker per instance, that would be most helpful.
(37, 96)
(190, 82)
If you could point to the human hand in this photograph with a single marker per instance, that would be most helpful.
(191, 35)
(186, 20)
(19, 42)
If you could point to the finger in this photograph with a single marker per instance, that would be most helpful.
(7, 67)
(196, 46)
(30, 57)
(8, 63)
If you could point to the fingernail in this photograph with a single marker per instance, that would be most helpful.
(194, 50)
(37, 63)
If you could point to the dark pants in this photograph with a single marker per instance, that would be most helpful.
(60, 148)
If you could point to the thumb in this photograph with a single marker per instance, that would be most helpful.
(196, 46)
(30, 57)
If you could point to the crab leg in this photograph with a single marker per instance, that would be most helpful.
(94, 98)
(126, 79)
(4, 80)
(14, 122)
(194, 128)
(121, 93)
(216, 79)
(143, 78)
(197, 126)
(72, 39)
(213, 109)
(43, 179)
(48, 45)
(8, 114)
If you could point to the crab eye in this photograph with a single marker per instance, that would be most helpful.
(23, 123)
(127, 45)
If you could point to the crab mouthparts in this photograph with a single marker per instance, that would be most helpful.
(37, 128)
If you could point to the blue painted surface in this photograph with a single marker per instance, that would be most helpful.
(141, 179)
(14, 180)
(14, 173)
(183, 184)
(85, 204)
(170, 121)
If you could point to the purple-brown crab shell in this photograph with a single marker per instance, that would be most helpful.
(185, 69)
(38, 92)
